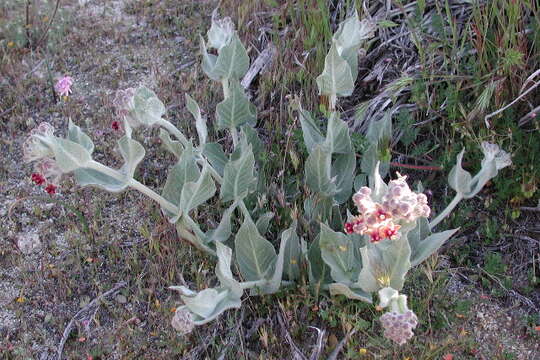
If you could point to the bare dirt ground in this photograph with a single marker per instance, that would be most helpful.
(50, 268)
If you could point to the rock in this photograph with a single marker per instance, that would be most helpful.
(28, 243)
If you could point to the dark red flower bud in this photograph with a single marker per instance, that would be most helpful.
(38, 179)
(115, 125)
(51, 189)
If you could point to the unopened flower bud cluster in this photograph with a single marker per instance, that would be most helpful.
(399, 327)
(182, 321)
(35, 148)
(380, 220)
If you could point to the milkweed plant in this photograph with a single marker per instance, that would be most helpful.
(370, 251)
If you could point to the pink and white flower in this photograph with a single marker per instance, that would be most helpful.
(63, 86)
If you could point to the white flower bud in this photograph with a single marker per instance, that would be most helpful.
(182, 320)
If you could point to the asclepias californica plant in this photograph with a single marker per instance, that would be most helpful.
(349, 254)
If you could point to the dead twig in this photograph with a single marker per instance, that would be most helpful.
(521, 96)
(297, 354)
(90, 308)
(339, 347)
(318, 348)
(523, 299)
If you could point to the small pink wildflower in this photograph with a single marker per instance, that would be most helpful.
(63, 86)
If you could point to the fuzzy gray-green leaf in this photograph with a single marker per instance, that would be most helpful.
(459, 179)
(239, 179)
(338, 253)
(197, 193)
(254, 254)
(200, 122)
(232, 61)
(236, 109)
(318, 171)
(336, 78)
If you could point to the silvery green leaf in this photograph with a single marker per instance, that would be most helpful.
(250, 136)
(69, 155)
(147, 108)
(377, 185)
(223, 231)
(459, 179)
(384, 264)
(184, 171)
(232, 61)
(319, 272)
(197, 193)
(386, 295)
(275, 281)
(208, 61)
(312, 133)
(370, 158)
(338, 253)
(373, 269)
(239, 179)
(211, 304)
(318, 171)
(343, 169)
(91, 177)
(349, 292)
(336, 78)
(200, 122)
(338, 139)
(397, 261)
(223, 270)
(76, 135)
(235, 110)
(429, 245)
(486, 173)
(204, 302)
(216, 156)
(349, 37)
(417, 235)
(263, 222)
(254, 254)
(173, 146)
(221, 31)
(293, 253)
(359, 181)
(132, 152)
(381, 130)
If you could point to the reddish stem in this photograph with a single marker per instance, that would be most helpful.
(416, 167)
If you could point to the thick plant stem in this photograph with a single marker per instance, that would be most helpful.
(154, 196)
(234, 135)
(185, 234)
(259, 283)
(446, 211)
(134, 184)
(173, 130)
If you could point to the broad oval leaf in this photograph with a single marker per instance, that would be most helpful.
(197, 193)
(232, 61)
(318, 171)
(254, 254)
(238, 178)
(76, 135)
(349, 292)
(235, 110)
(223, 270)
(336, 78)
(337, 251)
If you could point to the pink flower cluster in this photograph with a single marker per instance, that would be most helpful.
(399, 327)
(63, 86)
(380, 221)
(35, 148)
